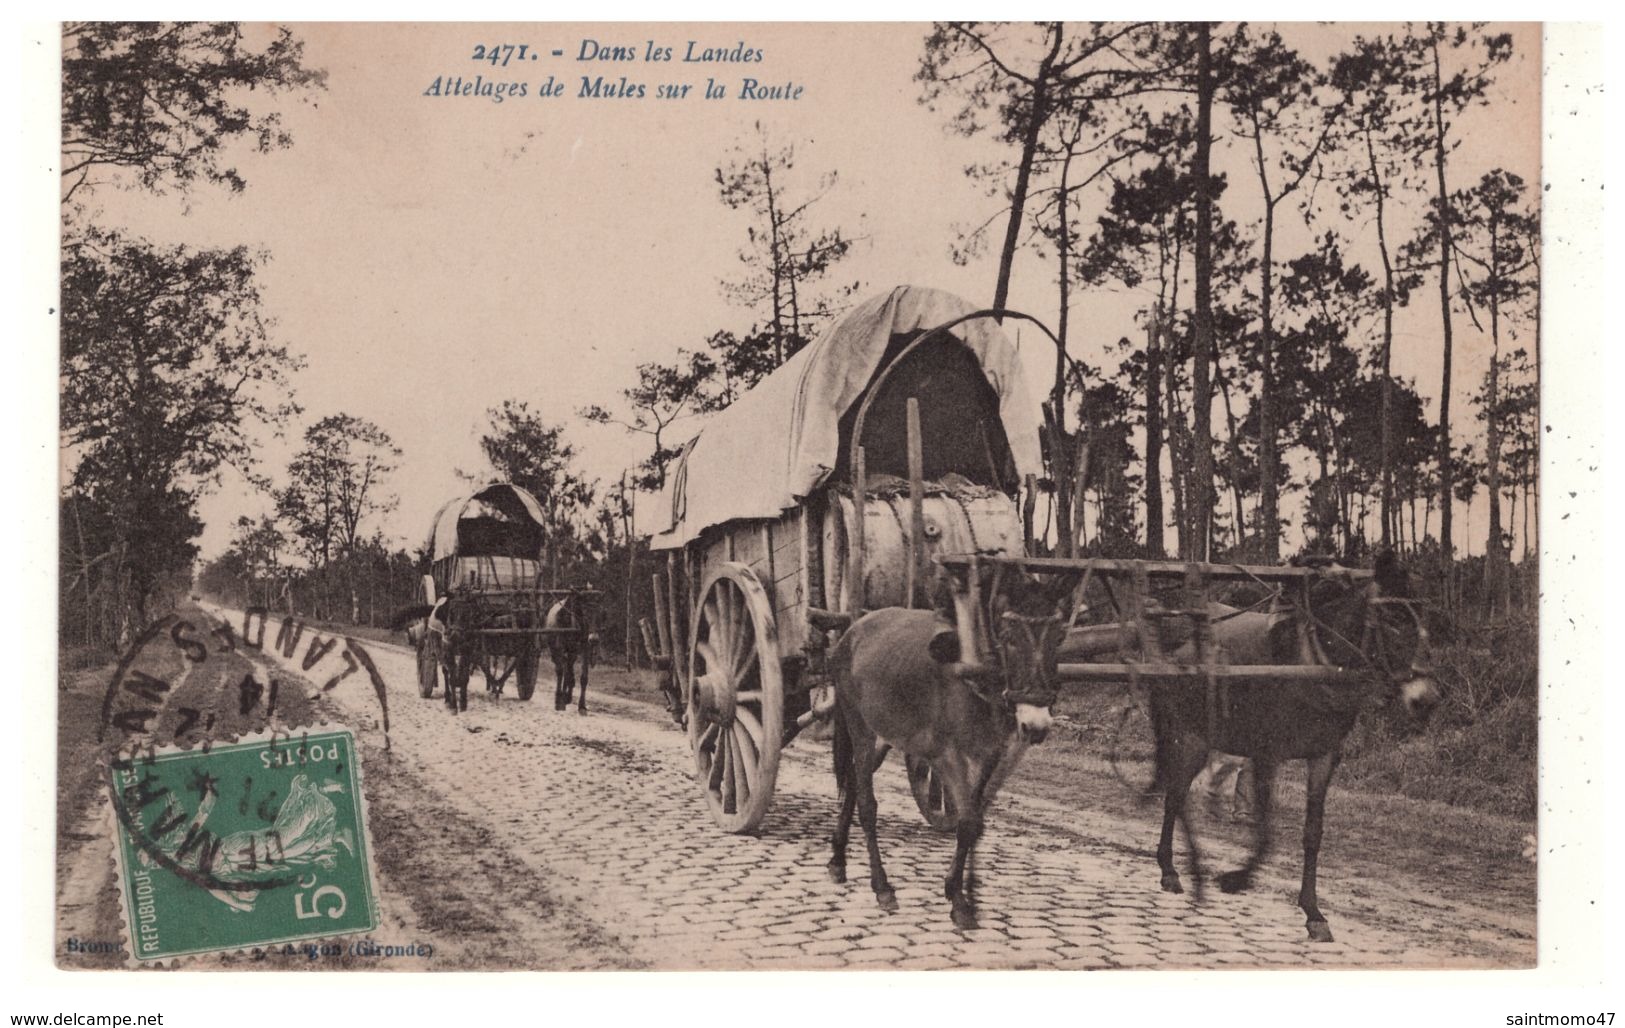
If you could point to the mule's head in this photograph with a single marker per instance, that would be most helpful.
(1028, 622)
(1396, 641)
(1025, 621)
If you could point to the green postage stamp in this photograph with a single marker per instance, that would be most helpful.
(243, 845)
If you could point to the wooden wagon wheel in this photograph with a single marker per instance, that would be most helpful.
(929, 795)
(1132, 739)
(428, 663)
(736, 697)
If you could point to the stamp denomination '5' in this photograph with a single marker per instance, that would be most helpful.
(247, 844)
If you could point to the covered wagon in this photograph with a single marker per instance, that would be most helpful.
(911, 418)
(488, 604)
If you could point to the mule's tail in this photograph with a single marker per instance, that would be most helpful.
(841, 746)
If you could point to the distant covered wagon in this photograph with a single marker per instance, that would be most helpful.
(910, 417)
(489, 607)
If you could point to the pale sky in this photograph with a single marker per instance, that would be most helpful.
(434, 256)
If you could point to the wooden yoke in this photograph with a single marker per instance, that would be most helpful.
(1196, 609)
(662, 619)
(965, 585)
(1080, 488)
(679, 637)
(1029, 506)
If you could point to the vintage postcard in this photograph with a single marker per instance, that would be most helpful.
(851, 496)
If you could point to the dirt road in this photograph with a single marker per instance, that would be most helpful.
(515, 836)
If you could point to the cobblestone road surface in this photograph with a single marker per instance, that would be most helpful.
(603, 809)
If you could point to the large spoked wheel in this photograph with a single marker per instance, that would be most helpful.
(929, 795)
(428, 664)
(1133, 744)
(736, 698)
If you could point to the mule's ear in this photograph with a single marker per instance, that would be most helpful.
(1390, 574)
(944, 646)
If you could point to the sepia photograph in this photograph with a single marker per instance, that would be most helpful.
(827, 496)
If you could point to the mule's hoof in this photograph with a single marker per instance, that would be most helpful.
(837, 873)
(964, 917)
(1319, 931)
(582, 711)
(1170, 883)
(887, 900)
(1234, 881)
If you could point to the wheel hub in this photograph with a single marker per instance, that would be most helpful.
(715, 698)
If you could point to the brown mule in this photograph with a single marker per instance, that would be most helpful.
(565, 647)
(899, 681)
(1375, 628)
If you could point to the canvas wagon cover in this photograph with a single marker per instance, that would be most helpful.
(511, 499)
(778, 442)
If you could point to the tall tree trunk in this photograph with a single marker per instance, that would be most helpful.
(1533, 448)
(1447, 478)
(1528, 487)
(1153, 436)
(631, 570)
(1269, 504)
(1385, 452)
(1179, 459)
(1064, 471)
(1024, 170)
(1512, 515)
(795, 309)
(1468, 515)
(778, 264)
(1201, 503)
(1495, 553)
(1234, 447)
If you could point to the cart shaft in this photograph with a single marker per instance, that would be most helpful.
(1197, 672)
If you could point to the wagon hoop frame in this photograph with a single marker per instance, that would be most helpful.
(885, 372)
(855, 446)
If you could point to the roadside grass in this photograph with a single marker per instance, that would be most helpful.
(1481, 748)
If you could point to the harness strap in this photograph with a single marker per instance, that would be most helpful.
(1367, 629)
(1040, 696)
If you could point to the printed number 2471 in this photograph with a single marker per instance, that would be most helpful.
(500, 54)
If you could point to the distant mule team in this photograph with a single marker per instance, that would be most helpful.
(486, 605)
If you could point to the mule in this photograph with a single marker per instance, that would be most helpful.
(900, 682)
(1375, 629)
(565, 648)
(420, 619)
